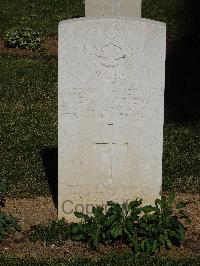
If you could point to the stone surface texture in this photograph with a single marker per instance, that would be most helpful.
(125, 8)
(111, 111)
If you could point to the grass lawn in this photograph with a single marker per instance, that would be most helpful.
(181, 161)
(44, 15)
(28, 115)
(111, 260)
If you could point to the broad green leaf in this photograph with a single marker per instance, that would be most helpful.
(168, 242)
(99, 216)
(74, 229)
(116, 206)
(110, 220)
(78, 237)
(182, 233)
(148, 246)
(82, 216)
(97, 210)
(158, 203)
(9, 219)
(110, 203)
(174, 234)
(130, 225)
(143, 225)
(96, 237)
(171, 198)
(134, 204)
(125, 208)
(116, 231)
(130, 236)
(2, 215)
(135, 245)
(143, 244)
(3, 188)
(148, 209)
(161, 239)
(155, 246)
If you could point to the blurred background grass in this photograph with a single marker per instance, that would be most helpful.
(41, 15)
(172, 12)
(44, 15)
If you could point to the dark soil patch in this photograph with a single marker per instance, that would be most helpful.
(41, 210)
(49, 47)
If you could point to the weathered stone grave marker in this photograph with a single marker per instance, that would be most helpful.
(111, 111)
(123, 8)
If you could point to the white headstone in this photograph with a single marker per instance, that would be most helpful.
(125, 8)
(111, 111)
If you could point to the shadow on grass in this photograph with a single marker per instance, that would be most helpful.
(50, 163)
(182, 94)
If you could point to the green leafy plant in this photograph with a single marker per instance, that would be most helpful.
(8, 224)
(159, 226)
(54, 233)
(92, 229)
(23, 37)
(2, 193)
(144, 228)
(117, 222)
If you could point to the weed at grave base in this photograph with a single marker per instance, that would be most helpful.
(144, 229)
(7, 222)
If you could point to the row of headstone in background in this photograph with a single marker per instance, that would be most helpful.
(123, 8)
(111, 107)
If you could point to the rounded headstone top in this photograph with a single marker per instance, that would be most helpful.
(113, 18)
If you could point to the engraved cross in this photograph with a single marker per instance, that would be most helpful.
(111, 144)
